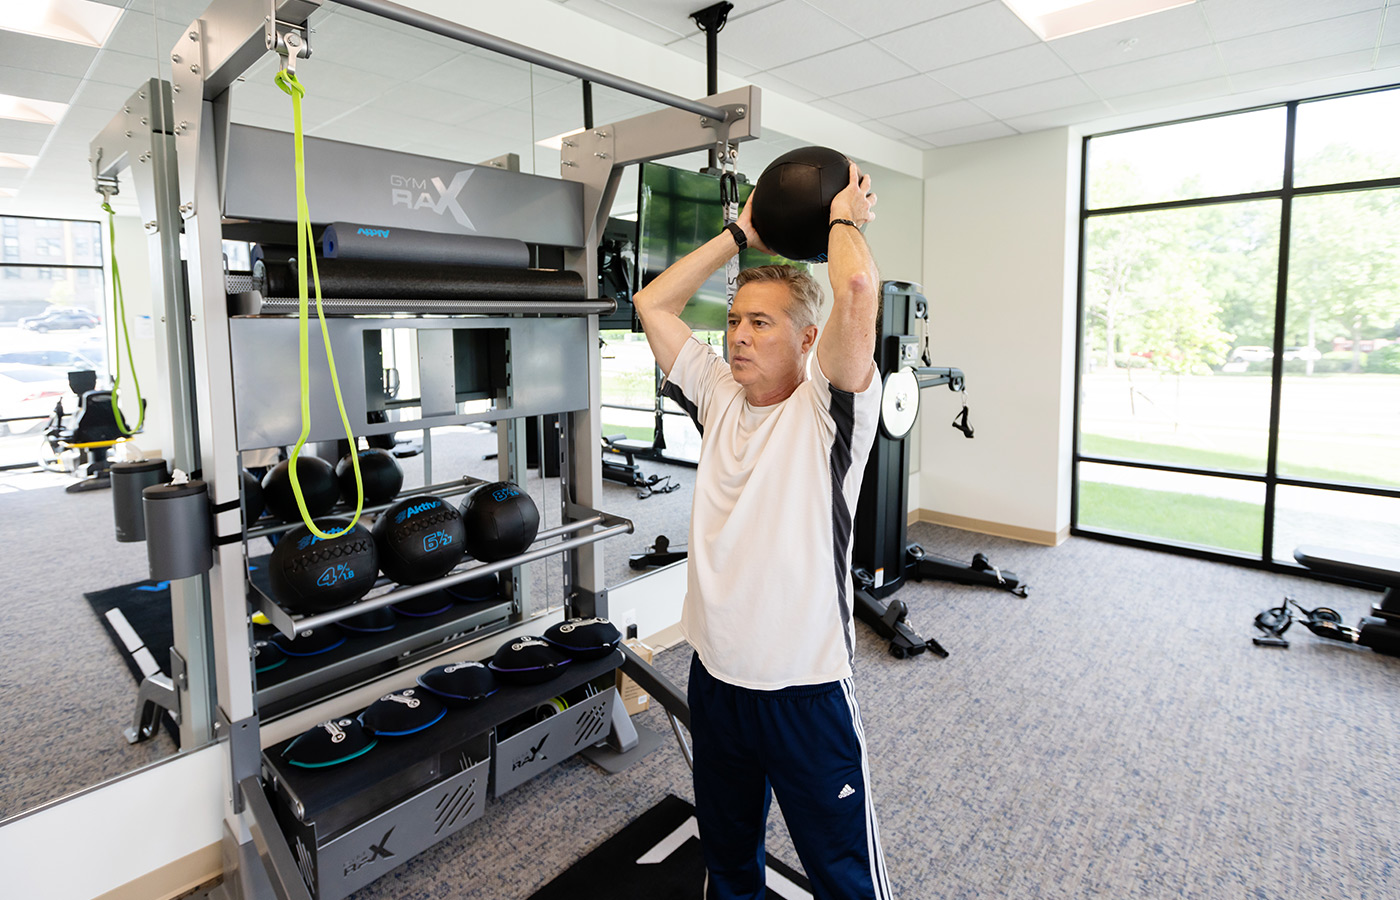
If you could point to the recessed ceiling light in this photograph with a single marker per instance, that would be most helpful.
(557, 142)
(45, 112)
(1059, 18)
(17, 161)
(76, 21)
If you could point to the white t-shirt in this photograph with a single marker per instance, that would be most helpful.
(768, 597)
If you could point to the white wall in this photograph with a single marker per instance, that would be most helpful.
(1000, 270)
(147, 343)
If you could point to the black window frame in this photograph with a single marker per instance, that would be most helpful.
(1270, 478)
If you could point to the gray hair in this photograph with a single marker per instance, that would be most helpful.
(806, 306)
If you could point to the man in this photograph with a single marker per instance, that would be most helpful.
(768, 602)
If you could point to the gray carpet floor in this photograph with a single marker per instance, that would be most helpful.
(1113, 735)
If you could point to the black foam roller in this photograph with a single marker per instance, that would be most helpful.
(381, 280)
(345, 240)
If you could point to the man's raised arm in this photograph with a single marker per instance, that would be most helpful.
(659, 304)
(846, 349)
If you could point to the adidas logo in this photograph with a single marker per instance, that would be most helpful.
(845, 792)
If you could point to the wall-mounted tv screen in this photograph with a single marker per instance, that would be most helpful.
(678, 211)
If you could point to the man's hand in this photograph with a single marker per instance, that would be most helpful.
(746, 223)
(856, 200)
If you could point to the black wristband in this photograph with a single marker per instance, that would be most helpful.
(843, 222)
(738, 234)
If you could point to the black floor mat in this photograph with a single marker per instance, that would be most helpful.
(137, 619)
(657, 857)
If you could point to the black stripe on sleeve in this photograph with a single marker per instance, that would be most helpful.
(843, 414)
(672, 391)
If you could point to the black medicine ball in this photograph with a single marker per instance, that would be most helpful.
(318, 488)
(475, 590)
(430, 604)
(792, 201)
(419, 539)
(267, 656)
(380, 473)
(584, 638)
(252, 496)
(402, 712)
(528, 660)
(329, 744)
(310, 574)
(376, 620)
(501, 521)
(461, 682)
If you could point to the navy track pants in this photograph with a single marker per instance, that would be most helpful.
(807, 744)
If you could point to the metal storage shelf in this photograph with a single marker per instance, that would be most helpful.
(289, 624)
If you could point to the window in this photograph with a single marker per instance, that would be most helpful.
(1239, 370)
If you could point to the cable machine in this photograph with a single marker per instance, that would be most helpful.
(501, 358)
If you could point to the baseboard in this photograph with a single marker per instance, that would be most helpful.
(174, 879)
(999, 529)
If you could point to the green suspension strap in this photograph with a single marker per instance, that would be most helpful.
(306, 251)
(119, 309)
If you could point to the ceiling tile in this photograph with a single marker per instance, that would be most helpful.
(844, 70)
(23, 137)
(694, 48)
(791, 90)
(1037, 97)
(1300, 72)
(369, 47)
(1003, 71)
(674, 15)
(959, 37)
(37, 85)
(1287, 45)
(144, 35)
(623, 20)
(430, 103)
(1165, 32)
(25, 51)
(1170, 96)
(884, 130)
(919, 144)
(1166, 70)
(970, 134)
(917, 92)
(126, 69)
(1390, 34)
(871, 19)
(782, 33)
(480, 78)
(11, 178)
(938, 118)
(1230, 19)
(99, 95)
(836, 109)
(1058, 118)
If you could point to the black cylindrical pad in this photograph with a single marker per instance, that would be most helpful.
(345, 240)
(377, 279)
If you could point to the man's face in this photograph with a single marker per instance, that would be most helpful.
(765, 344)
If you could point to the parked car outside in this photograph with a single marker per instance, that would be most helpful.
(1292, 353)
(67, 360)
(60, 318)
(1251, 354)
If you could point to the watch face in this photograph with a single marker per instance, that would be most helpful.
(899, 403)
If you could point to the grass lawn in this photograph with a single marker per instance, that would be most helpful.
(1172, 454)
(635, 432)
(1208, 521)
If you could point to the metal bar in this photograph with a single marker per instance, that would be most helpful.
(280, 618)
(655, 684)
(445, 489)
(27, 265)
(1280, 326)
(1079, 331)
(1182, 204)
(1168, 467)
(426, 22)
(272, 846)
(251, 303)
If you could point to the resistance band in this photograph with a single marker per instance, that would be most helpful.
(119, 308)
(306, 250)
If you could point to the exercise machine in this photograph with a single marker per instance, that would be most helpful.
(1380, 631)
(882, 560)
(620, 465)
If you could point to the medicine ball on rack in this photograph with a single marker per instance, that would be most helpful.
(528, 660)
(475, 590)
(312, 642)
(584, 638)
(318, 488)
(419, 538)
(433, 603)
(309, 574)
(403, 712)
(328, 744)
(372, 622)
(460, 683)
(252, 497)
(792, 201)
(380, 473)
(501, 521)
(267, 656)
